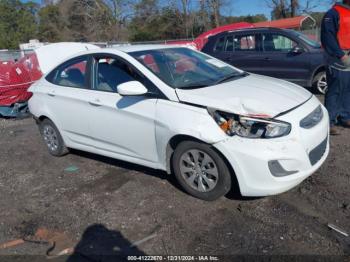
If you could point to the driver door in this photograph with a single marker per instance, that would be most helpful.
(121, 125)
(281, 62)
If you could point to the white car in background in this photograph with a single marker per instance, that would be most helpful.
(179, 110)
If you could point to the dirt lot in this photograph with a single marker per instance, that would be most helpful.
(102, 206)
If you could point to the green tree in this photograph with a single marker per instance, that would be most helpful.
(17, 23)
(249, 19)
(143, 26)
(51, 24)
(89, 20)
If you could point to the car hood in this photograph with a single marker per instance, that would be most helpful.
(253, 95)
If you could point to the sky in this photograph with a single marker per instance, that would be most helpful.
(251, 7)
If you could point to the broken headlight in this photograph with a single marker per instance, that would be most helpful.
(250, 127)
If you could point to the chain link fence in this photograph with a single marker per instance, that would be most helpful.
(13, 55)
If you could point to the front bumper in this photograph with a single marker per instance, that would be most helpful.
(302, 151)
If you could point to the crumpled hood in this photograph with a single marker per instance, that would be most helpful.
(251, 95)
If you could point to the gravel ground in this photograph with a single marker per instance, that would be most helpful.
(103, 206)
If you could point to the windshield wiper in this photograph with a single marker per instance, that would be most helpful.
(192, 86)
(230, 77)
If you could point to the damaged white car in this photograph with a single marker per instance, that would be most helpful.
(179, 110)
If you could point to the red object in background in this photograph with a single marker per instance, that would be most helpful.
(202, 39)
(149, 61)
(15, 79)
(344, 26)
(288, 23)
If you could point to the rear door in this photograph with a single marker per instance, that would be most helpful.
(67, 96)
(280, 61)
(242, 50)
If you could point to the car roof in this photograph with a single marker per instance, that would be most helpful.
(252, 29)
(136, 48)
(114, 50)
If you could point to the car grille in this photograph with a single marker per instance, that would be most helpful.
(317, 153)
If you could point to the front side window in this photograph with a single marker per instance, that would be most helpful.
(72, 74)
(184, 68)
(306, 38)
(111, 72)
(278, 43)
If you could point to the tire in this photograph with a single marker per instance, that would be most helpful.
(319, 83)
(52, 138)
(201, 171)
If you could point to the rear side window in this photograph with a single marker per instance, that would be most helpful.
(71, 74)
(220, 45)
(245, 43)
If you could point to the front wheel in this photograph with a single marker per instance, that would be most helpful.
(201, 171)
(320, 82)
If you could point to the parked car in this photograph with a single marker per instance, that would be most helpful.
(179, 110)
(280, 53)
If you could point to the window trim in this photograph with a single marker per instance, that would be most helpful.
(157, 94)
(52, 76)
(226, 42)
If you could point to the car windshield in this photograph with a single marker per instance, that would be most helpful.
(307, 39)
(184, 68)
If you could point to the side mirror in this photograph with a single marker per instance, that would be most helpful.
(132, 88)
(297, 50)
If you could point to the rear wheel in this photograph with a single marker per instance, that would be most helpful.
(320, 82)
(52, 138)
(201, 171)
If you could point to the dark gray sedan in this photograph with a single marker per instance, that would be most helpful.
(280, 53)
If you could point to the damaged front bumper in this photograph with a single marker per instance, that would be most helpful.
(272, 166)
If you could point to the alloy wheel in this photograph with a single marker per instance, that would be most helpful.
(322, 84)
(199, 170)
(51, 138)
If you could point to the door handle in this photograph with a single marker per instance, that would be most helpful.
(95, 103)
(267, 59)
(51, 93)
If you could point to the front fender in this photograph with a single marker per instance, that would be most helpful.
(174, 119)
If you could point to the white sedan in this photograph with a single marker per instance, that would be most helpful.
(179, 110)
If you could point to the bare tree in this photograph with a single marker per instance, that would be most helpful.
(185, 13)
(279, 8)
(215, 8)
(310, 5)
(294, 6)
(121, 10)
(291, 8)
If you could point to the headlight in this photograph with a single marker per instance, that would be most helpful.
(250, 127)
